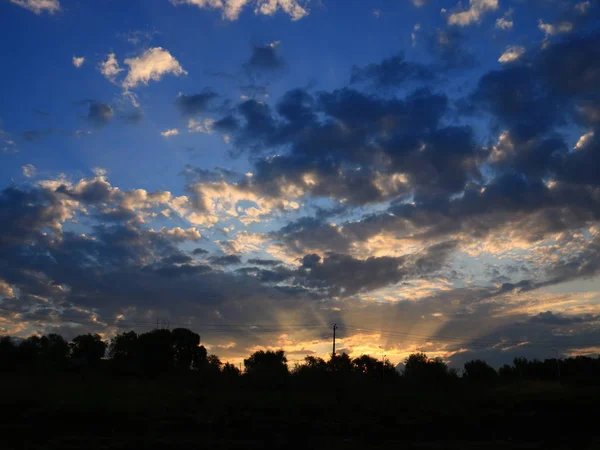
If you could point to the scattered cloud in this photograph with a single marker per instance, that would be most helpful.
(39, 6)
(170, 132)
(477, 8)
(29, 170)
(505, 23)
(78, 61)
(554, 29)
(511, 54)
(201, 126)
(153, 65)
(110, 67)
(231, 9)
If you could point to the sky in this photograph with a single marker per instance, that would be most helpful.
(424, 174)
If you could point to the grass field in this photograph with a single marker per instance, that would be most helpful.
(71, 411)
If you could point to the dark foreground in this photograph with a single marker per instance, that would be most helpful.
(75, 411)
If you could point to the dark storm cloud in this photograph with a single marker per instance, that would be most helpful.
(225, 260)
(194, 104)
(263, 262)
(265, 58)
(392, 72)
(551, 318)
(199, 251)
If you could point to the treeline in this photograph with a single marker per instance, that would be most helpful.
(165, 352)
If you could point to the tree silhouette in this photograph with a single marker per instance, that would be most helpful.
(8, 354)
(88, 348)
(185, 343)
(156, 351)
(123, 350)
(478, 371)
(419, 369)
(269, 366)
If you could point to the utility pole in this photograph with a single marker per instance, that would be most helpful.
(557, 363)
(333, 352)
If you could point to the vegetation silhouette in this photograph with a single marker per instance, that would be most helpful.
(165, 382)
(178, 351)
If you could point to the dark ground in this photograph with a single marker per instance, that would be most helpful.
(72, 411)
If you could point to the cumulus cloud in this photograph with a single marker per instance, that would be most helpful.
(170, 132)
(39, 6)
(231, 9)
(153, 65)
(110, 67)
(511, 54)
(78, 61)
(477, 8)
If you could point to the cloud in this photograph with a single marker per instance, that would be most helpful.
(39, 6)
(584, 140)
(511, 54)
(419, 3)
(225, 260)
(133, 116)
(195, 104)
(99, 114)
(449, 46)
(29, 170)
(552, 30)
(265, 58)
(504, 24)
(477, 8)
(170, 132)
(394, 71)
(583, 7)
(231, 9)
(153, 64)
(110, 67)
(291, 7)
(78, 61)
(205, 126)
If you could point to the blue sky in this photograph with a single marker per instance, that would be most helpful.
(423, 166)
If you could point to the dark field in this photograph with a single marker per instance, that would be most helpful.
(66, 411)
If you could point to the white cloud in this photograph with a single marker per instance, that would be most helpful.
(29, 170)
(419, 3)
(291, 7)
(170, 132)
(231, 9)
(5, 289)
(473, 14)
(153, 64)
(191, 234)
(78, 61)
(583, 7)
(584, 140)
(205, 126)
(413, 35)
(551, 30)
(511, 54)
(504, 24)
(377, 12)
(110, 68)
(39, 6)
